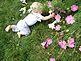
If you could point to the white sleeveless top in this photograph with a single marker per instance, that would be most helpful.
(32, 18)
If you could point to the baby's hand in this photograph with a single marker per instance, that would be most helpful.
(52, 15)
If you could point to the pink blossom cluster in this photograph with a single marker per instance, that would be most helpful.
(70, 44)
(69, 20)
(57, 17)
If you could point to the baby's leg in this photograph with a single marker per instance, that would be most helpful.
(9, 27)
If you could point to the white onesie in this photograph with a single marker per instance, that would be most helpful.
(29, 20)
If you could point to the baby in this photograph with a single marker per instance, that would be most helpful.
(22, 27)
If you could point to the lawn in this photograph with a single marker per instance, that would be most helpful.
(29, 48)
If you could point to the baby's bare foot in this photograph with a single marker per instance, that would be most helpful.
(8, 28)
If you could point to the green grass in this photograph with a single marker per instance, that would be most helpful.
(29, 48)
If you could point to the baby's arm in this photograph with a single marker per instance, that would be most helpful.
(48, 17)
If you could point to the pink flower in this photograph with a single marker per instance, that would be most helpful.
(74, 8)
(71, 43)
(52, 59)
(44, 44)
(62, 44)
(80, 48)
(57, 27)
(49, 4)
(49, 41)
(57, 17)
(70, 19)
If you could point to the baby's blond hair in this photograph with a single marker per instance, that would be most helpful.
(37, 6)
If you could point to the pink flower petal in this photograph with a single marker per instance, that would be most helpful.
(72, 21)
(62, 44)
(52, 59)
(49, 4)
(57, 27)
(49, 41)
(71, 43)
(80, 48)
(57, 17)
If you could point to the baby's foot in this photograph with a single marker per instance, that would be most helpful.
(8, 28)
(19, 34)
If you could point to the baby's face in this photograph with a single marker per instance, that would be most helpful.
(40, 12)
(37, 11)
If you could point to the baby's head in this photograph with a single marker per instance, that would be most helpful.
(37, 7)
